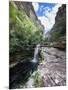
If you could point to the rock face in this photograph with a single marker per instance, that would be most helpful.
(28, 8)
(58, 32)
(60, 21)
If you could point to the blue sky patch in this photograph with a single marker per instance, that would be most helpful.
(42, 6)
(46, 13)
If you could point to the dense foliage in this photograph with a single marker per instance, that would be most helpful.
(24, 33)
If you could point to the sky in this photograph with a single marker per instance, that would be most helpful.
(46, 13)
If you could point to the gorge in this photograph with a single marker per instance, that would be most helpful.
(34, 61)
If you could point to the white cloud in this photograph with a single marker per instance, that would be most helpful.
(36, 6)
(45, 22)
(47, 9)
(48, 19)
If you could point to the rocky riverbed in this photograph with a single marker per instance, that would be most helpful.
(52, 70)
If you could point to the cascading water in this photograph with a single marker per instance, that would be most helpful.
(22, 70)
(35, 60)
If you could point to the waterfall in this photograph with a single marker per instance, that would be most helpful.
(23, 69)
(36, 53)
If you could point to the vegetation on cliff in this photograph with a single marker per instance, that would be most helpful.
(24, 33)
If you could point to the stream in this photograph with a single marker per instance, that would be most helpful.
(21, 71)
(52, 69)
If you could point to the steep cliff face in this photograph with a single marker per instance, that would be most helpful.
(28, 8)
(60, 21)
(58, 32)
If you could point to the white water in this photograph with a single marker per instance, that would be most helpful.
(30, 82)
(36, 53)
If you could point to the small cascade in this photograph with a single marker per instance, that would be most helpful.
(36, 53)
(23, 69)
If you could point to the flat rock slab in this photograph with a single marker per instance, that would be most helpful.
(53, 68)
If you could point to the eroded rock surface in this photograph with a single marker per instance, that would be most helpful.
(53, 69)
